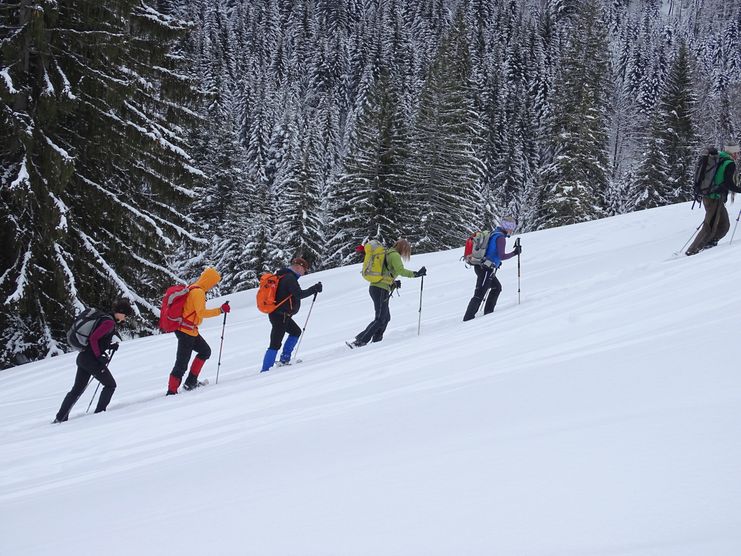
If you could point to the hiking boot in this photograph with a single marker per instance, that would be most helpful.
(282, 363)
(711, 244)
(355, 344)
(191, 383)
(171, 393)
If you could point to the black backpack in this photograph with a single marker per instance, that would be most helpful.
(736, 186)
(78, 336)
(707, 165)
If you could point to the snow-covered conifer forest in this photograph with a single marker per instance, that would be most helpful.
(142, 139)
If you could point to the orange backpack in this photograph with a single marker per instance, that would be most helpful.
(266, 293)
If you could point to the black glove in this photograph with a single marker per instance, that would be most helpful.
(518, 249)
(103, 360)
(421, 272)
(113, 348)
(397, 284)
(318, 287)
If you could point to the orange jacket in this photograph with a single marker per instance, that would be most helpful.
(194, 309)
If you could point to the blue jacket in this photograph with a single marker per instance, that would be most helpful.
(492, 251)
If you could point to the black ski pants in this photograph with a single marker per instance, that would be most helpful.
(374, 331)
(281, 323)
(187, 344)
(486, 280)
(88, 366)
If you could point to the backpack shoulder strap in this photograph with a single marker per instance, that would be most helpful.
(386, 253)
(97, 318)
(289, 297)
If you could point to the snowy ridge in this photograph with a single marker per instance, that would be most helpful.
(601, 416)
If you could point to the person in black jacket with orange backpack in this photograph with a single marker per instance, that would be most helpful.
(288, 298)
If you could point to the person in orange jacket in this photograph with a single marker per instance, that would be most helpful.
(189, 340)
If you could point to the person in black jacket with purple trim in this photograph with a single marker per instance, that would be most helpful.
(93, 361)
(288, 298)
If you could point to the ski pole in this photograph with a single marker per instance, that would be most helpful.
(734, 228)
(517, 244)
(313, 299)
(419, 321)
(221, 345)
(93, 398)
(110, 358)
(486, 285)
(690, 239)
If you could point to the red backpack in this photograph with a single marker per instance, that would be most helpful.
(171, 312)
(266, 293)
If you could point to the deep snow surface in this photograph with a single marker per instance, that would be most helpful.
(601, 416)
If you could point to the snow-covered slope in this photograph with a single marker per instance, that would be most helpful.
(601, 416)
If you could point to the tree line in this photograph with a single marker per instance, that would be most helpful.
(141, 140)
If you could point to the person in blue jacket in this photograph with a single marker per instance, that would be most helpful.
(486, 279)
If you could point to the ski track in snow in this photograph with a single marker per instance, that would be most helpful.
(600, 416)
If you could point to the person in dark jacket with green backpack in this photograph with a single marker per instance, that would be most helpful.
(714, 196)
(389, 264)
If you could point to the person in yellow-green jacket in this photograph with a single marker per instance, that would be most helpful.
(189, 339)
(380, 292)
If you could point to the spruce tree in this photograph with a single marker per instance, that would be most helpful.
(666, 167)
(95, 171)
(367, 202)
(675, 113)
(575, 182)
(446, 167)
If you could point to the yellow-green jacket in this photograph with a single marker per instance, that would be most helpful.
(393, 267)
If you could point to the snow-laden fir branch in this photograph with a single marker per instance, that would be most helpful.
(88, 243)
(146, 217)
(69, 276)
(21, 281)
(8, 81)
(63, 210)
(22, 177)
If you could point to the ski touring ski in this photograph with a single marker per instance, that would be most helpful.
(201, 383)
(288, 363)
